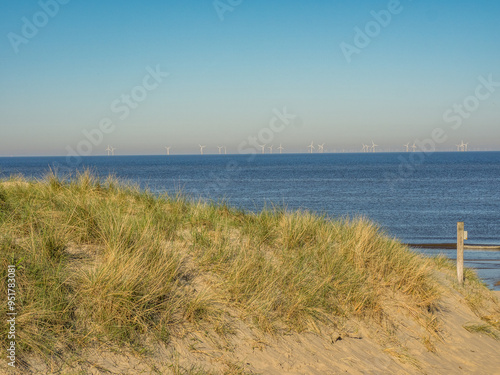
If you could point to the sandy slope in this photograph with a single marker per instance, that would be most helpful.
(364, 350)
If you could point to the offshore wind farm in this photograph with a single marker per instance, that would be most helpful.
(311, 148)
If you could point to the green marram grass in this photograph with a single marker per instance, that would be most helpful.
(100, 261)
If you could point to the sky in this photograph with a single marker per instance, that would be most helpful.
(77, 76)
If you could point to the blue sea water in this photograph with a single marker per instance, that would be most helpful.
(414, 197)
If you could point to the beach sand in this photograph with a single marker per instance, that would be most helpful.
(359, 350)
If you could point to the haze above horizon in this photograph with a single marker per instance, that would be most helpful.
(77, 77)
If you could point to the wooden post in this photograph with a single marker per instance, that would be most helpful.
(460, 252)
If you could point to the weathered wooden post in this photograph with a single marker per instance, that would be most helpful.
(460, 252)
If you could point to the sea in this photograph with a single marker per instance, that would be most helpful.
(417, 198)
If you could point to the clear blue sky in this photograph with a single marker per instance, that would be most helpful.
(226, 77)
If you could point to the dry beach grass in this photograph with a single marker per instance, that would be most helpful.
(111, 278)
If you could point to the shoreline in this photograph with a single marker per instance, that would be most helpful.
(451, 246)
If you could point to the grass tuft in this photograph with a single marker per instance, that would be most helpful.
(483, 329)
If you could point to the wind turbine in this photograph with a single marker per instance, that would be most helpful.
(225, 150)
(463, 146)
(168, 150)
(321, 148)
(407, 147)
(466, 147)
(414, 147)
(311, 147)
(220, 149)
(201, 149)
(109, 150)
(281, 149)
(263, 148)
(365, 148)
(113, 151)
(373, 146)
(459, 147)
(270, 149)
